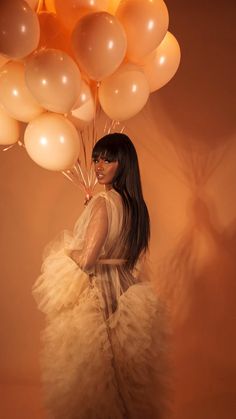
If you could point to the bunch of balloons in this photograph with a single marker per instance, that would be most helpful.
(60, 59)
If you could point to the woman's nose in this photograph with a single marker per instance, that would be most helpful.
(100, 166)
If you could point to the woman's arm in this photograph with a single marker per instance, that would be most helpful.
(95, 237)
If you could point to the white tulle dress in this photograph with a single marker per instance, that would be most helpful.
(102, 346)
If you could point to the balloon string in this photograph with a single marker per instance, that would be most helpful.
(90, 176)
(8, 148)
(68, 177)
(21, 144)
(75, 181)
(87, 190)
(78, 170)
(12, 145)
(105, 127)
(84, 148)
(94, 136)
(113, 125)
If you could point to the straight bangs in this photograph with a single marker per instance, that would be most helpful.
(105, 150)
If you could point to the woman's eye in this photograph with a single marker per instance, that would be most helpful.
(98, 160)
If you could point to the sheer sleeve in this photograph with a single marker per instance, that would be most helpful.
(95, 236)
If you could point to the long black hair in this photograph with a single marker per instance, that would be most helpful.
(127, 182)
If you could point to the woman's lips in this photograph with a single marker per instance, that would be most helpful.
(99, 175)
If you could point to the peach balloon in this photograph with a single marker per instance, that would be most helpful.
(10, 128)
(124, 93)
(15, 95)
(161, 65)
(19, 29)
(52, 142)
(54, 79)
(84, 109)
(145, 22)
(99, 42)
(70, 11)
(52, 33)
(50, 5)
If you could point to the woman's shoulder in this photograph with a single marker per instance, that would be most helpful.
(99, 199)
(108, 199)
(111, 194)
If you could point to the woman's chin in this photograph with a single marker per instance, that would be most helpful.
(101, 181)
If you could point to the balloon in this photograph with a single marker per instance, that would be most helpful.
(53, 33)
(84, 109)
(10, 128)
(145, 22)
(99, 42)
(15, 95)
(19, 29)
(52, 142)
(54, 79)
(70, 11)
(124, 93)
(161, 65)
(113, 4)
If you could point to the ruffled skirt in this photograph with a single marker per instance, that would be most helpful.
(94, 366)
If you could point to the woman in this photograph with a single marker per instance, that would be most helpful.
(103, 341)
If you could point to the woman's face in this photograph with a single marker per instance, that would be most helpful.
(105, 171)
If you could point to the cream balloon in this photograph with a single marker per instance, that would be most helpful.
(145, 22)
(19, 29)
(53, 79)
(10, 128)
(84, 109)
(70, 11)
(99, 42)
(124, 93)
(161, 65)
(15, 95)
(52, 142)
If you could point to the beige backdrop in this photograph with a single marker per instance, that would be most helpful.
(186, 142)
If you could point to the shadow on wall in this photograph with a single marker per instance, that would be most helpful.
(197, 280)
(204, 248)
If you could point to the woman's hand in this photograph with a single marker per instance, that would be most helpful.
(87, 199)
(75, 255)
